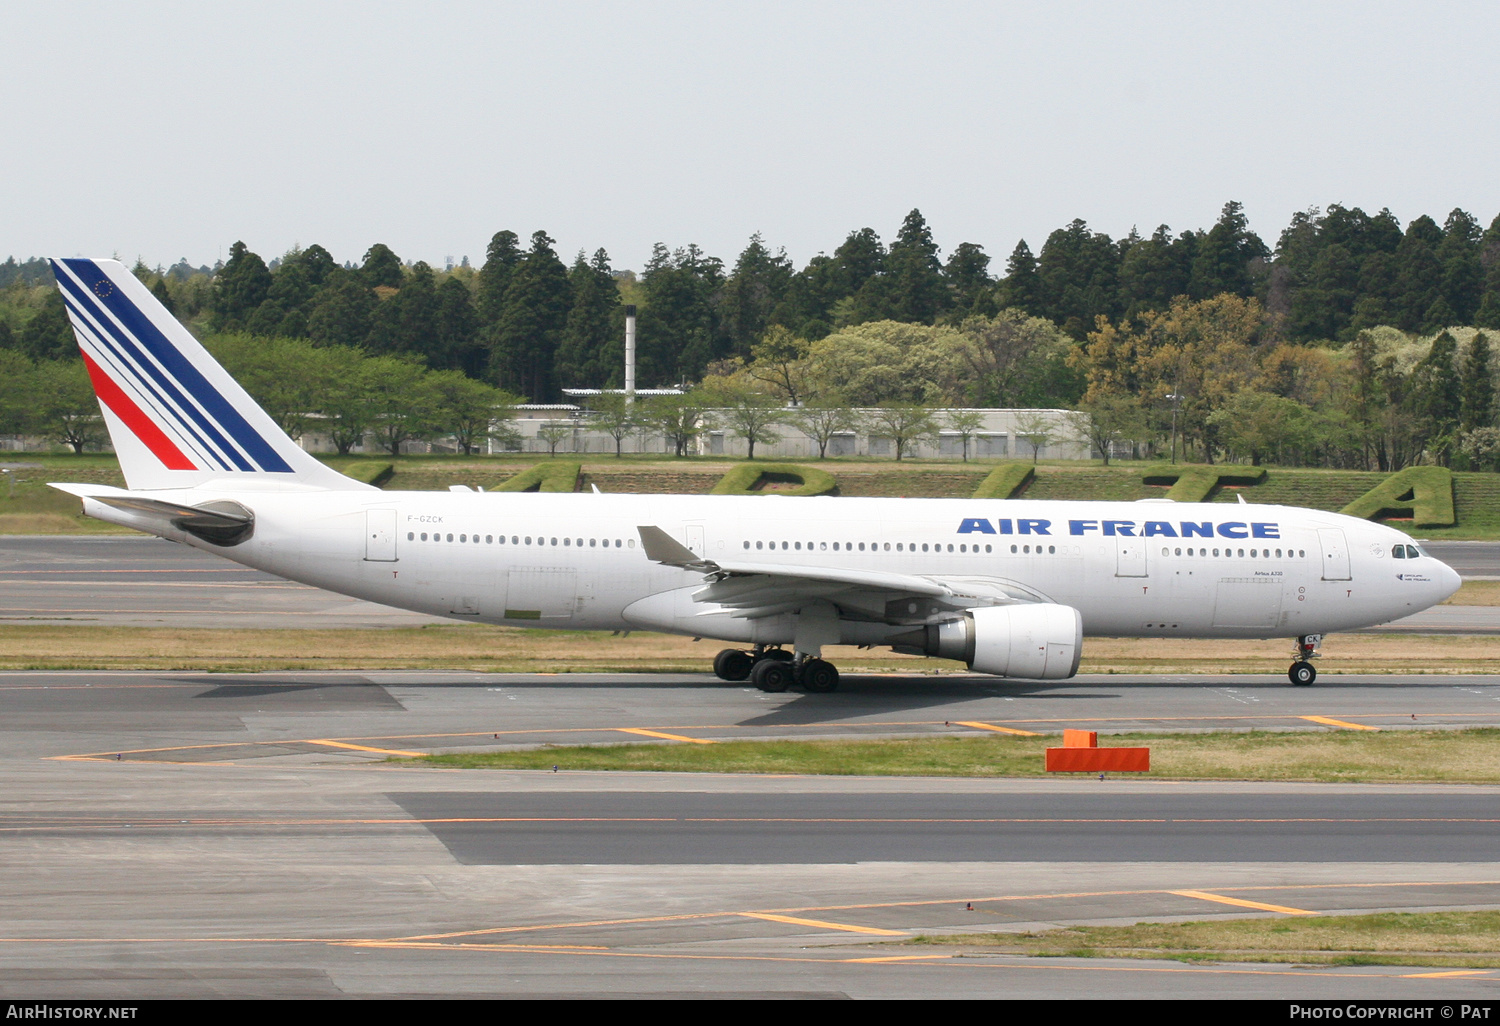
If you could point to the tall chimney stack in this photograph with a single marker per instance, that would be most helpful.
(629, 355)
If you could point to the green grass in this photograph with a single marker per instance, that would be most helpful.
(1425, 494)
(1469, 939)
(1428, 756)
(1198, 483)
(775, 479)
(1006, 481)
(28, 506)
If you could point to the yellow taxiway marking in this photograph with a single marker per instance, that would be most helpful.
(670, 737)
(999, 730)
(363, 748)
(823, 924)
(1242, 903)
(1450, 972)
(1330, 721)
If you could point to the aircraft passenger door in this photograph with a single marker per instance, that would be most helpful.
(380, 535)
(695, 539)
(1130, 557)
(1335, 554)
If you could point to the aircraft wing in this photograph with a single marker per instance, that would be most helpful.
(755, 590)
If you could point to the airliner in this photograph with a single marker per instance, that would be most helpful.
(1008, 587)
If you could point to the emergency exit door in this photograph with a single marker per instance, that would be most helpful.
(1335, 554)
(380, 535)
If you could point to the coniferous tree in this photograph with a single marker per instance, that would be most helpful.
(1225, 256)
(1478, 388)
(860, 258)
(970, 289)
(1459, 257)
(49, 334)
(163, 296)
(679, 331)
(913, 282)
(381, 268)
(586, 357)
(532, 322)
(1020, 288)
(1437, 395)
(1418, 274)
(1153, 272)
(239, 288)
(1078, 274)
(759, 280)
(501, 259)
(342, 310)
(455, 330)
(807, 306)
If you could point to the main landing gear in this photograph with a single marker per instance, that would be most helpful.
(776, 669)
(1303, 672)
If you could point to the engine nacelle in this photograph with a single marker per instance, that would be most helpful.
(1040, 641)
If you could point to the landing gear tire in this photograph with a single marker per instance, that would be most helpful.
(818, 676)
(1302, 673)
(772, 674)
(733, 665)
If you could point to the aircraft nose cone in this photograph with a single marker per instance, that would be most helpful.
(1448, 580)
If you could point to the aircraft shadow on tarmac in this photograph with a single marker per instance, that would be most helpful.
(321, 693)
(894, 695)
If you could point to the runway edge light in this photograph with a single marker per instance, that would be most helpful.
(1081, 753)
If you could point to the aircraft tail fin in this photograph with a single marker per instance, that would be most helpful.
(175, 416)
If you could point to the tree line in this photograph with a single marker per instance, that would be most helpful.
(1345, 318)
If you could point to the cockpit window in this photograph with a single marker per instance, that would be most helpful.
(1398, 552)
(1412, 552)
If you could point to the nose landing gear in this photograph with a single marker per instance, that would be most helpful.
(1303, 673)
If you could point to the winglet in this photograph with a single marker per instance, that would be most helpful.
(663, 548)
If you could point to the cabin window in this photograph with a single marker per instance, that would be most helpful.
(1013, 550)
(799, 546)
(861, 546)
(566, 541)
(424, 535)
(986, 548)
(411, 536)
(1051, 550)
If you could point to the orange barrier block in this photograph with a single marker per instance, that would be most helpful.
(1098, 760)
(1080, 739)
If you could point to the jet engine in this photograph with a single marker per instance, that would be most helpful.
(1038, 641)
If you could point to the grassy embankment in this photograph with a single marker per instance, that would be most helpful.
(1442, 939)
(1329, 756)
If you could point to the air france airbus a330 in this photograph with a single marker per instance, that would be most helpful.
(1008, 587)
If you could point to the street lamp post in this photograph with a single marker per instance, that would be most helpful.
(1176, 402)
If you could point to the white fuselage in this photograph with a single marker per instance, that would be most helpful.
(1151, 569)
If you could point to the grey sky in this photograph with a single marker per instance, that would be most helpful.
(169, 130)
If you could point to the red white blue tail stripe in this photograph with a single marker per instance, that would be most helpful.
(202, 431)
(177, 419)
